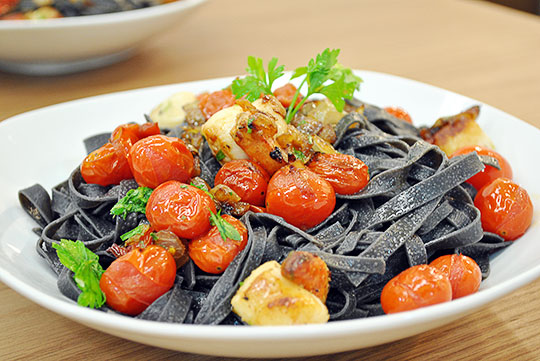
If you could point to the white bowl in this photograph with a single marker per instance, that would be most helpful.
(72, 44)
(48, 145)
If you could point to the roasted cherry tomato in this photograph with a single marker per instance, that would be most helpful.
(158, 158)
(347, 174)
(247, 179)
(506, 208)
(7, 5)
(135, 280)
(211, 253)
(180, 208)
(489, 173)
(285, 95)
(300, 196)
(416, 287)
(399, 113)
(463, 273)
(309, 271)
(211, 103)
(106, 165)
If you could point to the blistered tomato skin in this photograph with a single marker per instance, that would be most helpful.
(180, 208)
(399, 113)
(416, 287)
(211, 253)
(106, 165)
(285, 95)
(463, 273)
(132, 282)
(246, 178)
(489, 173)
(347, 174)
(158, 158)
(211, 103)
(505, 207)
(300, 196)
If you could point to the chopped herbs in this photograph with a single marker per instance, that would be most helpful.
(299, 155)
(86, 268)
(220, 156)
(134, 201)
(140, 229)
(226, 230)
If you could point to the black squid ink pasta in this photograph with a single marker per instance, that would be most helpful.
(415, 208)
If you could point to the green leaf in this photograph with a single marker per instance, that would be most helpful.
(299, 155)
(258, 81)
(140, 229)
(134, 201)
(220, 155)
(298, 72)
(86, 268)
(226, 230)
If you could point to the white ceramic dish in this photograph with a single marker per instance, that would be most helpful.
(67, 45)
(45, 145)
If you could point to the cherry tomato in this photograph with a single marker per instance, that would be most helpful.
(180, 208)
(309, 271)
(489, 173)
(399, 113)
(214, 102)
(463, 273)
(347, 174)
(300, 196)
(285, 95)
(158, 158)
(106, 165)
(126, 135)
(247, 179)
(211, 253)
(148, 129)
(6, 6)
(416, 287)
(135, 280)
(506, 208)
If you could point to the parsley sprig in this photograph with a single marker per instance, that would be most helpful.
(86, 268)
(134, 201)
(226, 230)
(323, 75)
(259, 81)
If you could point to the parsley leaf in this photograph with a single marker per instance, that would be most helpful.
(258, 81)
(324, 75)
(86, 268)
(226, 230)
(134, 201)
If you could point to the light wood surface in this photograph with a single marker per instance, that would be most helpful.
(478, 49)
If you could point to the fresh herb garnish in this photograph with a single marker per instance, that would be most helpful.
(134, 201)
(226, 230)
(140, 229)
(325, 68)
(299, 155)
(220, 155)
(86, 268)
(259, 81)
(323, 75)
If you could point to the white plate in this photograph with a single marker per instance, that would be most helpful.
(45, 145)
(72, 44)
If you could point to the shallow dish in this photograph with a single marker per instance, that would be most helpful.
(48, 145)
(72, 44)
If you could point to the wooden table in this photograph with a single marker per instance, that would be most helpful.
(478, 49)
